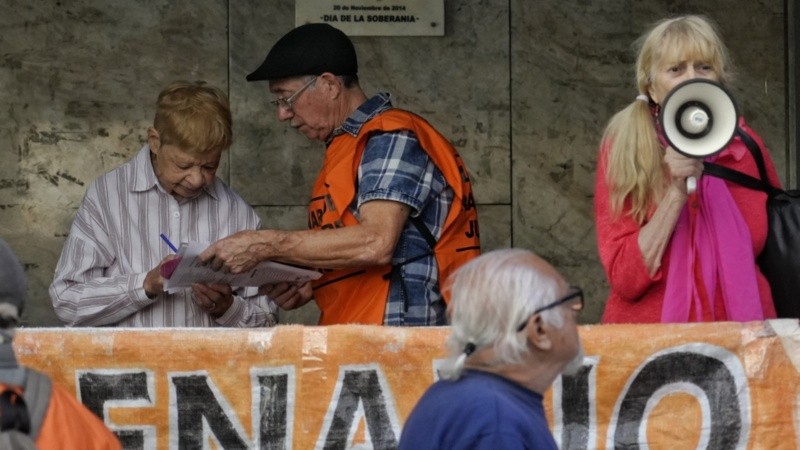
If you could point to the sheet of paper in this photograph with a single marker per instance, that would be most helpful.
(191, 270)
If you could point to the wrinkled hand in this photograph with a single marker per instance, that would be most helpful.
(153, 281)
(215, 299)
(287, 295)
(682, 167)
(235, 254)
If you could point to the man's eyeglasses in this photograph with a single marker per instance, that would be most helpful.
(574, 299)
(288, 102)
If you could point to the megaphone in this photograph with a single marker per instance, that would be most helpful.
(698, 119)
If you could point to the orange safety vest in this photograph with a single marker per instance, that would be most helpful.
(359, 295)
(69, 424)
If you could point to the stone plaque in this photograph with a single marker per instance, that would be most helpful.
(375, 17)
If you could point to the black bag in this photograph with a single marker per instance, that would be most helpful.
(780, 259)
(21, 418)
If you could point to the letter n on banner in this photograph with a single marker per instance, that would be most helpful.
(273, 400)
(199, 412)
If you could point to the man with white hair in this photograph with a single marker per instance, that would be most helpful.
(31, 407)
(513, 332)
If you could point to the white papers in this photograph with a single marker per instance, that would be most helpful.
(191, 270)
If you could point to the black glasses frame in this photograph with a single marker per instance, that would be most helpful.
(575, 292)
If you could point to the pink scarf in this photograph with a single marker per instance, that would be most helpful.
(722, 243)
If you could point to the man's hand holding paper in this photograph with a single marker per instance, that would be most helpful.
(194, 269)
(214, 298)
(235, 254)
(288, 295)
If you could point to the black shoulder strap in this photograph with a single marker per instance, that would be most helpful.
(740, 178)
(737, 177)
(13, 412)
(755, 150)
(424, 231)
(37, 391)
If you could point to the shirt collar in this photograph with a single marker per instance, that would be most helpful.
(369, 109)
(144, 177)
(739, 151)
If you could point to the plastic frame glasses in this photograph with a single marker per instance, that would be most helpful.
(574, 292)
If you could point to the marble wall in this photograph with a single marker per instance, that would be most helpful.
(523, 89)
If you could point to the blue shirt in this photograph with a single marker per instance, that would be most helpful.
(478, 411)
(394, 167)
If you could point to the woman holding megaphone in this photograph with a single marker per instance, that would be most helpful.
(673, 255)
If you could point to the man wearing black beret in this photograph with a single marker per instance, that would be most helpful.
(392, 211)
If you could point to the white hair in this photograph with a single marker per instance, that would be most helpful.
(491, 296)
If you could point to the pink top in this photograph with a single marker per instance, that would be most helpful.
(635, 296)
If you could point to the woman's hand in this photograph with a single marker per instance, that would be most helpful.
(680, 168)
(654, 237)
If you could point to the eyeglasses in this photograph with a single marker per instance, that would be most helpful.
(575, 305)
(287, 103)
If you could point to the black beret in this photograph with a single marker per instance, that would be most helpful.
(309, 49)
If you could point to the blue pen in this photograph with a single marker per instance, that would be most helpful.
(164, 238)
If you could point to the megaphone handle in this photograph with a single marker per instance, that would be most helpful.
(691, 185)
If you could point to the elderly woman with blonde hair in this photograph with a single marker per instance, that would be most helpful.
(669, 259)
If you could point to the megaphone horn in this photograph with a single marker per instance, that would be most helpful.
(694, 119)
(698, 118)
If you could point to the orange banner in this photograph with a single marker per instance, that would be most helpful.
(721, 385)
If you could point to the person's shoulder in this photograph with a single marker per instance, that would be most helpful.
(402, 116)
(123, 173)
(113, 173)
(222, 190)
(473, 391)
(230, 201)
(453, 413)
(479, 410)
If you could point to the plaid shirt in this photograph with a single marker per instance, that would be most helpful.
(394, 167)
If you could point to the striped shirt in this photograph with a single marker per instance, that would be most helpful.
(115, 240)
